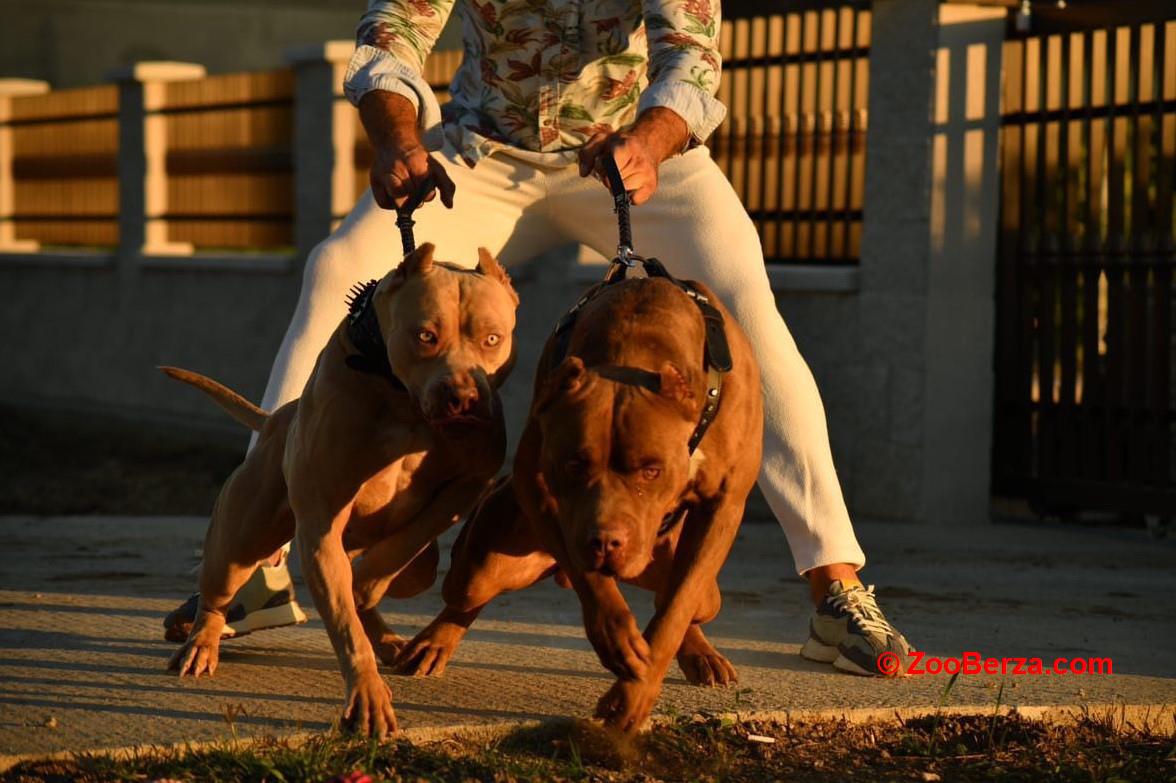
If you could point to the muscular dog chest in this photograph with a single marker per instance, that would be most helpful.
(391, 498)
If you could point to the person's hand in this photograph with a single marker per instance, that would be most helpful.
(638, 150)
(401, 167)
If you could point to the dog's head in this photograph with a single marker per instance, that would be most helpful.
(614, 458)
(449, 334)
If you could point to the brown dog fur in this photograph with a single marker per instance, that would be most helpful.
(603, 458)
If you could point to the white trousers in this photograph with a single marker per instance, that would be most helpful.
(518, 207)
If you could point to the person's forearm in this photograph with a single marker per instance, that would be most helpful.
(662, 131)
(389, 119)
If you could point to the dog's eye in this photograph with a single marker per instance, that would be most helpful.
(492, 340)
(427, 337)
(651, 472)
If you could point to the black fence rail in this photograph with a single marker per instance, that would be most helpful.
(1085, 393)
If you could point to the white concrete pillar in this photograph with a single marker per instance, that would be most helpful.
(324, 141)
(142, 157)
(929, 259)
(888, 466)
(9, 89)
(961, 281)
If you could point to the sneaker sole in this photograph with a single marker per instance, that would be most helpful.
(264, 619)
(818, 651)
(844, 664)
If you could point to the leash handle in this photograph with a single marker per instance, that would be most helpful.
(404, 220)
(616, 185)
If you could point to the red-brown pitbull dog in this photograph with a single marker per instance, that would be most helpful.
(398, 432)
(605, 488)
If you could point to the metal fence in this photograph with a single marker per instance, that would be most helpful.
(793, 143)
(1085, 403)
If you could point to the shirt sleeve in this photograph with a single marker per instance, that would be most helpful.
(392, 41)
(684, 62)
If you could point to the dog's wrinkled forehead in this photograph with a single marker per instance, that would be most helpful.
(422, 263)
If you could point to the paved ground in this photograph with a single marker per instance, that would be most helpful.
(81, 600)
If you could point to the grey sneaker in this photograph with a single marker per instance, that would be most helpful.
(850, 631)
(265, 601)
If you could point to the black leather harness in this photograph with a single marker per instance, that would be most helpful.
(363, 330)
(716, 350)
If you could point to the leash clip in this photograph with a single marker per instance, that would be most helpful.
(626, 256)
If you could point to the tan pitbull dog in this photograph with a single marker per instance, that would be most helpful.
(367, 468)
(605, 489)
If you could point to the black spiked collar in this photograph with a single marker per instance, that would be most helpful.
(363, 329)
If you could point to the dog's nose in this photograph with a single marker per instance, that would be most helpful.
(460, 399)
(607, 547)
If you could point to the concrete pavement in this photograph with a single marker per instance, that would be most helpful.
(80, 635)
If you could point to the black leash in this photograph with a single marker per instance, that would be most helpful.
(616, 184)
(404, 220)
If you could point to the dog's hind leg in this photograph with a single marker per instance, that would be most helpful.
(494, 554)
(405, 563)
(250, 520)
(700, 662)
(417, 577)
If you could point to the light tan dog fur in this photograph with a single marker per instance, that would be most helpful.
(365, 475)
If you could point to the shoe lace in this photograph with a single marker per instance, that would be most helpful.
(860, 603)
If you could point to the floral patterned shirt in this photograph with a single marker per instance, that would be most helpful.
(544, 75)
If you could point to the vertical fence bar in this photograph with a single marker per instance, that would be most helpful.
(849, 140)
(1165, 252)
(803, 138)
(1139, 255)
(1068, 263)
(1093, 391)
(1118, 52)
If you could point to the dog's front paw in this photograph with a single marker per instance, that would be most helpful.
(368, 710)
(618, 642)
(627, 705)
(201, 652)
(429, 652)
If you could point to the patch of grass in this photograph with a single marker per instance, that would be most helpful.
(703, 748)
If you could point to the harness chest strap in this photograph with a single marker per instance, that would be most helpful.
(716, 351)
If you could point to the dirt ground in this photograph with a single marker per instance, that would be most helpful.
(996, 747)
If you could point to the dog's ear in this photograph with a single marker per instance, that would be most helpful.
(566, 379)
(489, 266)
(675, 387)
(417, 262)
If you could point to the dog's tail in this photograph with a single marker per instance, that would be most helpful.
(234, 404)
